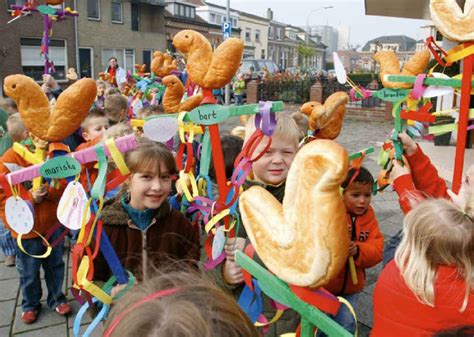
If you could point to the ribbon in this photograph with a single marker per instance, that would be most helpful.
(265, 120)
(45, 241)
(117, 156)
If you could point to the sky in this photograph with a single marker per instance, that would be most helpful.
(349, 13)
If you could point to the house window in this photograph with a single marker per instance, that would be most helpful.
(234, 22)
(129, 59)
(219, 19)
(135, 11)
(147, 59)
(93, 9)
(186, 11)
(117, 11)
(33, 63)
(248, 34)
(270, 32)
(257, 35)
(212, 17)
(278, 33)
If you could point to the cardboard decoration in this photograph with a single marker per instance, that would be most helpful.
(208, 69)
(19, 215)
(73, 206)
(314, 239)
(70, 110)
(160, 129)
(218, 243)
(341, 74)
(60, 167)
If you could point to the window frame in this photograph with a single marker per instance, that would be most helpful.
(258, 33)
(119, 2)
(98, 11)
(248, 34)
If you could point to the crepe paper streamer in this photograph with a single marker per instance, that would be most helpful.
(418, 88)
(117, 156)
(441, 129)
(460, 52)
(84, 283)
(141, 122)
(360, 95)
(279, 291)
(45, 242)
(352, 311)
(265, 120)
(391, 95)
(98, 189)
(60, 167)
(88, 155)
(366, 151)
(36, 157)
(353, 271)
(428, 81)
(251, 301)
(184, 178)
(205, 159)
(211, 264)
(102, 315)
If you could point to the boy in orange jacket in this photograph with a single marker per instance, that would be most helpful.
(366, 242)
(45, 201)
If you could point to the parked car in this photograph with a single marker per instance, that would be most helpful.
(257, 67)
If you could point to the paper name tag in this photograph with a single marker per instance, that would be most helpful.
(19, 215)
(218, 243)
(160, 129)
(72, 206)
(60, 167)
(209, 114)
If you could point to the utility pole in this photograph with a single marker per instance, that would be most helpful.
(227, 87)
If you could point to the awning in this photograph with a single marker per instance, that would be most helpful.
(411, 9)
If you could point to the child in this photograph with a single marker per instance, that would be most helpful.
(366, 242)
(413, 183)
(143, 228)
(429, 286)
(45, 201)
(94, 126)
(16, 133)
(116, 108)
(178, 304)
(239, 89)
(100, 99)
(270, 172)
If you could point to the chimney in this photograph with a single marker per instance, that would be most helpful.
(269, 14)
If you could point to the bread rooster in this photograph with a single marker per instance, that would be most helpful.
(163, 64)
(174, 94)
(389, 65)
(71, 107)
(325, 120)
(454, 23)
(208, 69)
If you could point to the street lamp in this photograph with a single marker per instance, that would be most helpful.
(307, 20)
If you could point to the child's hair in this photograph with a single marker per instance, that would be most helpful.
(180, 304)
(149, 111)
(285, 127)
(16, 128)
(115, 105)
(238, 131)
(148, 156)
(118, 130)
(231, 147)
(111, 91)
(9, 105)
(302, 121)
(436, 232)
(94, 113)
(363, 177)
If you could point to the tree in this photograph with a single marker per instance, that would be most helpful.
(306, 52)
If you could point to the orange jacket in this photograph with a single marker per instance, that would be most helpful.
(44, 212)
(369, 240)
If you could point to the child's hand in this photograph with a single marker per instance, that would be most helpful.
(39, 194)
(399, 170)
(118, 288)
(352, 248)
(232, 273)
(409, 145)
(232, 245)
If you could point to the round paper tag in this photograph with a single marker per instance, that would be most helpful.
(339, 68)
(160, 129)
(19, 215)
(435, 91)
(72, 205)
(218, 243)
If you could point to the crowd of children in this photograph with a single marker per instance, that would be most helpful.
(426, 286)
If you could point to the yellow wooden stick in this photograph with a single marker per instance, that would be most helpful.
(353, 271)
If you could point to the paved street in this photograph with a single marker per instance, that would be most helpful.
(356, 135)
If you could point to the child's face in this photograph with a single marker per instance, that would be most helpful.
(97, 127)
(273, 167)
(357, 198)
(148, 189)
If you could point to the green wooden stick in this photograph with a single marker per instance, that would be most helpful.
(428, 81)
(280, 292)
(356, 155)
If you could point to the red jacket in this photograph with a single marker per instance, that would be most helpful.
(423, 182)
(44, 212)
(369, 240)
(397, 312)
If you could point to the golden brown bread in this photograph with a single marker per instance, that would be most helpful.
(163, 64)
(205, 68)
(327, 119)
(454, 23)
(71, 107)
(389, 65)
(174, 94)
(304, 241)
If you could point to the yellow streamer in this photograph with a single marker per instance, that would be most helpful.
(90, 287)
(351, 310)
(117, 156)
(275, 318)
(182, 181)
(43, 256)
(214, 220)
